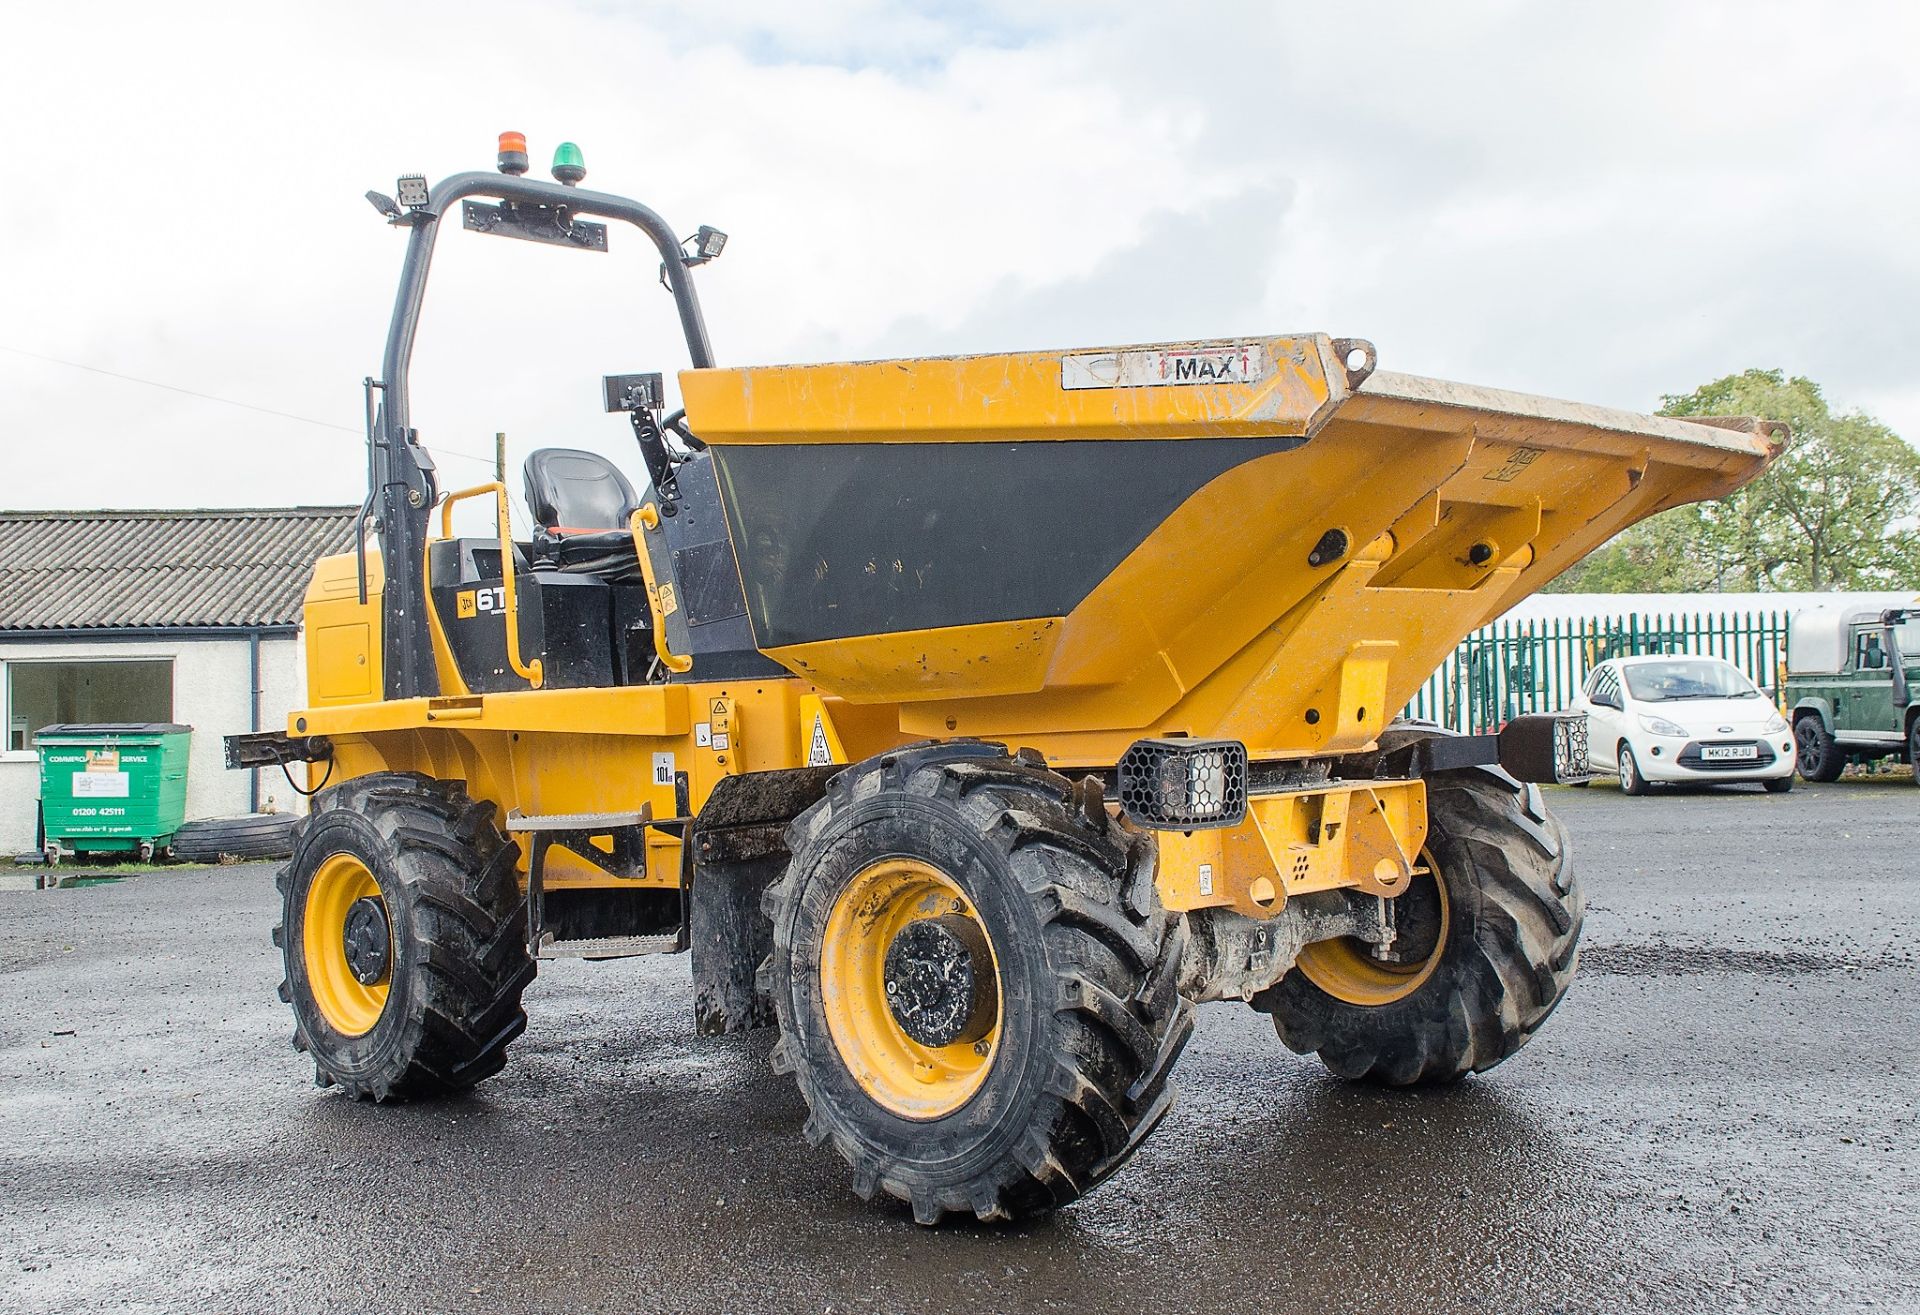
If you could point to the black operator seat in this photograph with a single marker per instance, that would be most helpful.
(581, 506)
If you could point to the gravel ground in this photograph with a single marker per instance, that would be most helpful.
(1721, 1117)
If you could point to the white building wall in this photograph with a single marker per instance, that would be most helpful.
(1547, 607)
(211, 693)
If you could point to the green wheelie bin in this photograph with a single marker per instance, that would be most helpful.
(112, 786)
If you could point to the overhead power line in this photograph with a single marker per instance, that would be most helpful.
(175, 388)
(223, 401)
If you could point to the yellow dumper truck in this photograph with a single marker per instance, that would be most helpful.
(968, 720)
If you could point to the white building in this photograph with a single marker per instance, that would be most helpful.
(1546, 607)
(155, 616)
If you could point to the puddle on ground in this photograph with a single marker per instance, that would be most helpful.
(1676, 960)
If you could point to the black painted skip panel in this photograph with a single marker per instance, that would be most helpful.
(841, 539)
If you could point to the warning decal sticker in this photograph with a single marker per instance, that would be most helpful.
(819, 752)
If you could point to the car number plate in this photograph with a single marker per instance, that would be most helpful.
(1721, 753)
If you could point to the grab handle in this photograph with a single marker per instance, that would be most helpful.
(642, 521)
(531, 672)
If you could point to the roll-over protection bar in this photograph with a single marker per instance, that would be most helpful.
(402, 485)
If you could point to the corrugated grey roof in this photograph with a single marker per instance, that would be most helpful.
(134, 569)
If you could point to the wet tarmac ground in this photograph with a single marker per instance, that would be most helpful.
(1722, 1116)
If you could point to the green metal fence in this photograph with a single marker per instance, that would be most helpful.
(1514, 667)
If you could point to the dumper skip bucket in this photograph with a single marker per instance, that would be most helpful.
(1261, 539)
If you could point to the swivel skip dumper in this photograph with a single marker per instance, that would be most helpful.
(967, 721)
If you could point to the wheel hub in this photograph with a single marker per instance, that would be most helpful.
(367, 940)
(940, 981)
(1352, 971)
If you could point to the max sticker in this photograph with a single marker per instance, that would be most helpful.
(1155, 367)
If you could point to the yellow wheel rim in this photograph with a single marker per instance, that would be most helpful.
(912, 1080)
(1346, 969)
(350, 1006)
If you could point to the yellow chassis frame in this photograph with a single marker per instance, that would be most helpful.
(1364, 835)
(550, 751)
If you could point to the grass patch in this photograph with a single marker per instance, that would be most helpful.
(93, 870)
(1882, 774)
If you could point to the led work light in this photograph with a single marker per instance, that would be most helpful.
(1184, 785)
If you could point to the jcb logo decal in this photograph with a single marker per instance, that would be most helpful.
(474, 602)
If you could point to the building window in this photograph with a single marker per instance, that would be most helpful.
(52, 693)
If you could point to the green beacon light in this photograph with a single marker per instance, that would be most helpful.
(569, 166)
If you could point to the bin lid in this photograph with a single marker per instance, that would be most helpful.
(101, 729)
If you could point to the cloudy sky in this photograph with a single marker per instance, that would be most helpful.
(1603, 202)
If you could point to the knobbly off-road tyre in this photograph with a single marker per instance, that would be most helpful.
(443, 876)
(1505, 960)
(1088, 1021)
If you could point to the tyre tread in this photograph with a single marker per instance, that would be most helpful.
(1118, 1017)
(469, 922)
(1496, 987)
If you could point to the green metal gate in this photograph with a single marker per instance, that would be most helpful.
(1513, 667)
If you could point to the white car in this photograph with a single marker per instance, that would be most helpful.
(1657, 719)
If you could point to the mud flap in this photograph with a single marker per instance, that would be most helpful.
(740, 848)
(729, 937)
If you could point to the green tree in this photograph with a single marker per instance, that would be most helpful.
(1838, 511)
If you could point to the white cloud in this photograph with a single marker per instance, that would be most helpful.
(1601, 203)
